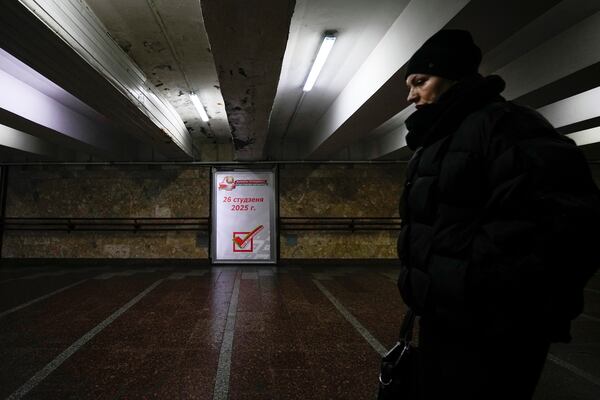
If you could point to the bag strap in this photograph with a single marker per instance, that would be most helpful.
(407, 327)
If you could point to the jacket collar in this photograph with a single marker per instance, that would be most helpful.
(430, 123)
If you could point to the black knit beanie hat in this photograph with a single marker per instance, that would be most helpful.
(450, 53)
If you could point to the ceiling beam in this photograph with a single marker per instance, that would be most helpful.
(17, 140)
(65, 42)
(490, 23)
(552, 60)
(574, 109)
(169, 44)
(554, 21)
(566, 53)
(586, 137)
(248, 40)
(360, 26)
(24, 108)
(418, 21)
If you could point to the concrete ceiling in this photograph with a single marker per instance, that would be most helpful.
(248, 40)
(122, 72)
(168, 41)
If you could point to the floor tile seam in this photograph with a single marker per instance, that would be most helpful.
(222, 376)
(46, 323)
(354, 308)
(49, 274)
(41, 282)
(38, 299)
(371, 340)
(67, 353)
(112, 304)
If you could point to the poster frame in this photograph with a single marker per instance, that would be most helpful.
(273, 215)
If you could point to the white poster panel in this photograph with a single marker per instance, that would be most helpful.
(243, 216)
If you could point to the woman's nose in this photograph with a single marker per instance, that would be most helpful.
(412, 96)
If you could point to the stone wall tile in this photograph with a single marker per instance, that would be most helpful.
(183, 191)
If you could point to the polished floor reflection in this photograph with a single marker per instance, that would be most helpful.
(224, 333)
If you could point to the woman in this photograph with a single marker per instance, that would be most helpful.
(498, 212)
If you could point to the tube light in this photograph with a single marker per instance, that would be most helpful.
(322, 55)
(199, 107)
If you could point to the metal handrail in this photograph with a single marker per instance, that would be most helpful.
(136, 224)
(68, 224)
(339, 223)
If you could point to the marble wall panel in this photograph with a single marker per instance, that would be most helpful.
(335, 190)
(327, 190)
(339, 245)
(100, 191)
(107, 192)
(103, 245)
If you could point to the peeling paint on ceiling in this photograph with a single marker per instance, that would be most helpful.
(248, 40)
(168, 41)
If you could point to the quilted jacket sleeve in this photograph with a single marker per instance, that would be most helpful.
(534, 248)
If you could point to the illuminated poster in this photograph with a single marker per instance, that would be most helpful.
(243, 216)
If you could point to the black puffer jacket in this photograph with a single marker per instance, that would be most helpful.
(500, 215)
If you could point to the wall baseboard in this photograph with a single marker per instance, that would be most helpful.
(341, 262)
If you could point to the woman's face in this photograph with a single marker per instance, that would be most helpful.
(426, 89)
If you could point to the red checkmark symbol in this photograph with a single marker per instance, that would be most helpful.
(243, 242)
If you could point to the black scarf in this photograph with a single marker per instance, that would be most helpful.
(434, 121)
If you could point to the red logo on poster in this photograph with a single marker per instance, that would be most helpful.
(228, 183)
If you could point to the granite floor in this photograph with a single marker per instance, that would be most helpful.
(224, 333)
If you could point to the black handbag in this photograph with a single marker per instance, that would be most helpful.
(399, 375)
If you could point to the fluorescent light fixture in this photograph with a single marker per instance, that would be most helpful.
(199, 106)
(322, 55)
